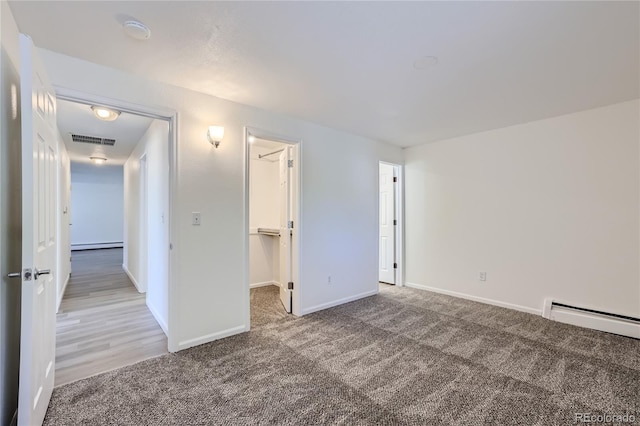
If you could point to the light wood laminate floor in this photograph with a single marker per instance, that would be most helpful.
(103, 322)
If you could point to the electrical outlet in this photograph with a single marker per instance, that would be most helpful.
(329, 279)
(195, 218)
(482, 276)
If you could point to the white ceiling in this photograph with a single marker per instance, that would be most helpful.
(349, 65)
(77, 118)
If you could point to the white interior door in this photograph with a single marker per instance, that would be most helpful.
(286, 165)
(39, 159)
(387, 272)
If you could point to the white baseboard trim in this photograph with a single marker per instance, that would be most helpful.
(338, 302)
(159, 319)
(475, 298)
(592, 320)
(186, 344)
(132, 278)
(264, 284)
(61, 294)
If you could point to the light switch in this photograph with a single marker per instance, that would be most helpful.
(195, 218)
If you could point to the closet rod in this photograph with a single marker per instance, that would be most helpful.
(271, 153)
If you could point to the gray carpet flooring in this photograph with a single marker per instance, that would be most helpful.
(401, 357)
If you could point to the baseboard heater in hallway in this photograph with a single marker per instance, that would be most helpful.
(94, 246)
(592, 318)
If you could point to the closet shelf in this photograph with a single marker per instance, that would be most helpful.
(269, 231)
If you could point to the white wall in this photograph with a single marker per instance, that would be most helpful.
(339, 209)
(10, 214)
(264, 212)
(548, 209)
(97, 212)
(264, 190)
(151, 275)
(264, 260)
(64, 219)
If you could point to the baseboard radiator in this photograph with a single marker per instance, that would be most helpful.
(591, 318)
(95, 246)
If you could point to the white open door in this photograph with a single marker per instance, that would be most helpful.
(286, 226)
(387, 272)
(39, 159)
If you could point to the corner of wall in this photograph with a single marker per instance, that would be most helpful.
(132, 278)
(156, 314)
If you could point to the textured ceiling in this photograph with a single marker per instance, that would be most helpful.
(350, 65)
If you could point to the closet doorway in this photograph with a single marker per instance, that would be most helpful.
(273, 176)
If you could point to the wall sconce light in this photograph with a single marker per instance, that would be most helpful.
(215, 135)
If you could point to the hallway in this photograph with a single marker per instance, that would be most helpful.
(103, 322)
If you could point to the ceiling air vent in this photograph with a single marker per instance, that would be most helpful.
(93, 139)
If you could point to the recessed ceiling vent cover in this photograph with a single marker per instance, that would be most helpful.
(92, 139)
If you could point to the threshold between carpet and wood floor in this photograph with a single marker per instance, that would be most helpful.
(103, 322)
(404, 356)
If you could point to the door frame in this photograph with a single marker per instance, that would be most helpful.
(296, 241)
(398, 171)
(170, 116)
(143, 224)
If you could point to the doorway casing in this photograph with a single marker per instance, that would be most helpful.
(143, 218)
(297, 209)
(171, 117)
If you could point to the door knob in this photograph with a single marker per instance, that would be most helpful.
(14, 275)
(39, 272)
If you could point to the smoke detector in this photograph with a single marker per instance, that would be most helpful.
(137, 30)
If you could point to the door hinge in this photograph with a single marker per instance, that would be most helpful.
(170, 246)
(290, 224)
(290, 163)
(290, 285)
(395, 179)
(395, 222)
(395, 266)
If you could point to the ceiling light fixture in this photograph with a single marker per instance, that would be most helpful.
(215, 135)
(136, 29)
(98, 160)
(425, 62)
(105, 114)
